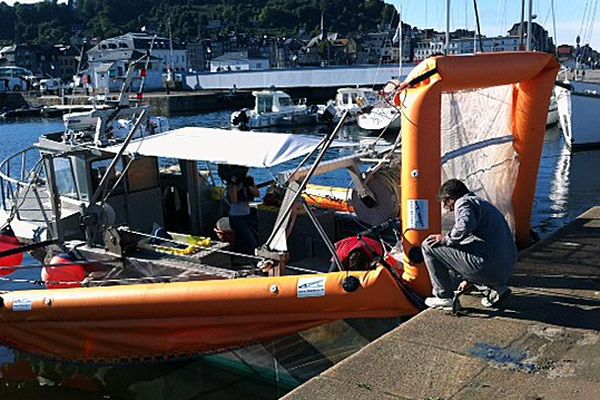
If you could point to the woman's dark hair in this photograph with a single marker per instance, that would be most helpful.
(358, 261)
(452, 189)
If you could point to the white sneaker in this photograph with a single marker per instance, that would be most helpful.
(439, 302)
(496, 296)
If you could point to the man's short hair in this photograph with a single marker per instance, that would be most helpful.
(452, 189)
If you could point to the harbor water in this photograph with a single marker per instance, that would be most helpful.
(567, 186)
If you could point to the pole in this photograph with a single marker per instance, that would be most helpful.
(400, 45)
(521, 48)
(529, 18)
(478, 33)
(447, 49)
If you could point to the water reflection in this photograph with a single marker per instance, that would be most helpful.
(567, 184)
(27, 377)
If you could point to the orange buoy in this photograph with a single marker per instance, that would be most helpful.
(63, 276)
(9, 241)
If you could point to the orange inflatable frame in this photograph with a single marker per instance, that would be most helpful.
(533, 76)
(133, 322)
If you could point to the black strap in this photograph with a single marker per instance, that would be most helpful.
(28, 247)
(418, 79)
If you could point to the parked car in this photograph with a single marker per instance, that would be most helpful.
(51, 86)
(14, 79)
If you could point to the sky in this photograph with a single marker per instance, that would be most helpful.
(573, 17)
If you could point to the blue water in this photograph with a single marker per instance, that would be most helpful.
(568, 184)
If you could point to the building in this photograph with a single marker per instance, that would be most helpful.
(109, 59)
(238, 61)
(22, 55)
(540, 41)
(198, 55)
(107, 73)
(484, 44)
(425, 48)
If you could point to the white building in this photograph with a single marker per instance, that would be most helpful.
(427, 47)
(238, 61)
(487, 45)
(108, 60)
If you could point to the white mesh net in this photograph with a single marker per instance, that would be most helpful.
(477, 144)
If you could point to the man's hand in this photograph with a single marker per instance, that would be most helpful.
(434, 240)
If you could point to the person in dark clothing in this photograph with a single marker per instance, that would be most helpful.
(480, 248)
(240, 190)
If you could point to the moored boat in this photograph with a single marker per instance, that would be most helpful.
(215, 304)
(381, 117)
(578, 105)
(273, 108)
(351, 99)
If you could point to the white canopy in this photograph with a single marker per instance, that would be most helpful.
(250, 149)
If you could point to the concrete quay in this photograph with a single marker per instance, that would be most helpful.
(168, 104)
(544, 343)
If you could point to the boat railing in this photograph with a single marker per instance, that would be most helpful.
(18, 183)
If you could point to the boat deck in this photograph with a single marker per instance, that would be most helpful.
(545, 343)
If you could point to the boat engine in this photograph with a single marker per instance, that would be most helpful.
(328, 115)
(240, 119)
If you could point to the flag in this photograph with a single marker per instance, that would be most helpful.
(397, 35)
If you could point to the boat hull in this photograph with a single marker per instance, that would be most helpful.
(379, 119)
(578, 111)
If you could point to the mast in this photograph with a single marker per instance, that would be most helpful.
(478, 31)
(170, 68)
(521, 47)
(398, 36)
(447, 47)
(529, 18)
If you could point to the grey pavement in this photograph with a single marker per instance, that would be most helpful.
(544, 343)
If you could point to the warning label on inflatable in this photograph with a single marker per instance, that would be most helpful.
(22, 305)
(418, 214)
(311, 287)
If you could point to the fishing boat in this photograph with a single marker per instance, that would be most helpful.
(116, 115)
(132, 271)
(274, 108)
(352, 99)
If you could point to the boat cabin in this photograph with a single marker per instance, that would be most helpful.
(357, 97)
(267, 101)
(169, 180)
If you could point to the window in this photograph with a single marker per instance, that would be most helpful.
(142, 174)
(285, 101)
(99, 167)
(65, 179)
(264, 103)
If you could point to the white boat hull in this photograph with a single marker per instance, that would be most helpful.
(578, 112)
(379, 119)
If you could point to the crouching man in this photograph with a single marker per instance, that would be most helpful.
(480, 248)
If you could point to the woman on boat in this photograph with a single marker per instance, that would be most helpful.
(240, 190)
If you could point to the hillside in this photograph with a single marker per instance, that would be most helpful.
(48, 22)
